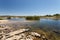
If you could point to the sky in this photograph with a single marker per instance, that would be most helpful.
(29, 7)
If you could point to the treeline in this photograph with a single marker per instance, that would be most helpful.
(2, 18)
(30, 17)
(53, 15)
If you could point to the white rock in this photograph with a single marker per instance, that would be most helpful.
(35, 34)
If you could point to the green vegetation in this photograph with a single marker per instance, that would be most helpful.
(9, 17)
(1, 18)
(53, 15)
(56, 15)
(32, 18)
(48, 15)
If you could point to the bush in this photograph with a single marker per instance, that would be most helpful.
(32, 18)
(56, 15)
(8, 17)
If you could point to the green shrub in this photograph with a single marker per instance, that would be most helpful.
(32, 18)
(8, 17)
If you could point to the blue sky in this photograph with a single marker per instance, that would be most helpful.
(29, 7)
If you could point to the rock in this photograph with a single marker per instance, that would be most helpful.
(44, 38)
(23, 34)
(35, 34)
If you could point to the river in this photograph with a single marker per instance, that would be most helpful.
(43, 23)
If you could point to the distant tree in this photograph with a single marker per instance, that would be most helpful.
(56, 15)
(48, 15)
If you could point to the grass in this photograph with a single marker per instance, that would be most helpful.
(32, 18)
(1, 18)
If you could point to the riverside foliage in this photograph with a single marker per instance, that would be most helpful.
(32, 18)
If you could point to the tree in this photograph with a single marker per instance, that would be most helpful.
(49, 15)
(56, 15)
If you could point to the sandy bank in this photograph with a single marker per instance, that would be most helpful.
(8, 21)
(4, 21)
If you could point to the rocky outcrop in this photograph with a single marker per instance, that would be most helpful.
(22, 34)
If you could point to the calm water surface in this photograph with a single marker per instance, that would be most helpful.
(50, 24)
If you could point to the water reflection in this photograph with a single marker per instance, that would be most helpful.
(50, 24)
(44, 23)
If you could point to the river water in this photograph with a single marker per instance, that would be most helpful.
(43, 23)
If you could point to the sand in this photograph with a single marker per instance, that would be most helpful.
(10, 21)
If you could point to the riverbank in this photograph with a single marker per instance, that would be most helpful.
(48, 26)
(4, 21)
(11, 21)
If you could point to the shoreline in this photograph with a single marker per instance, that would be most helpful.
(11, 21)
